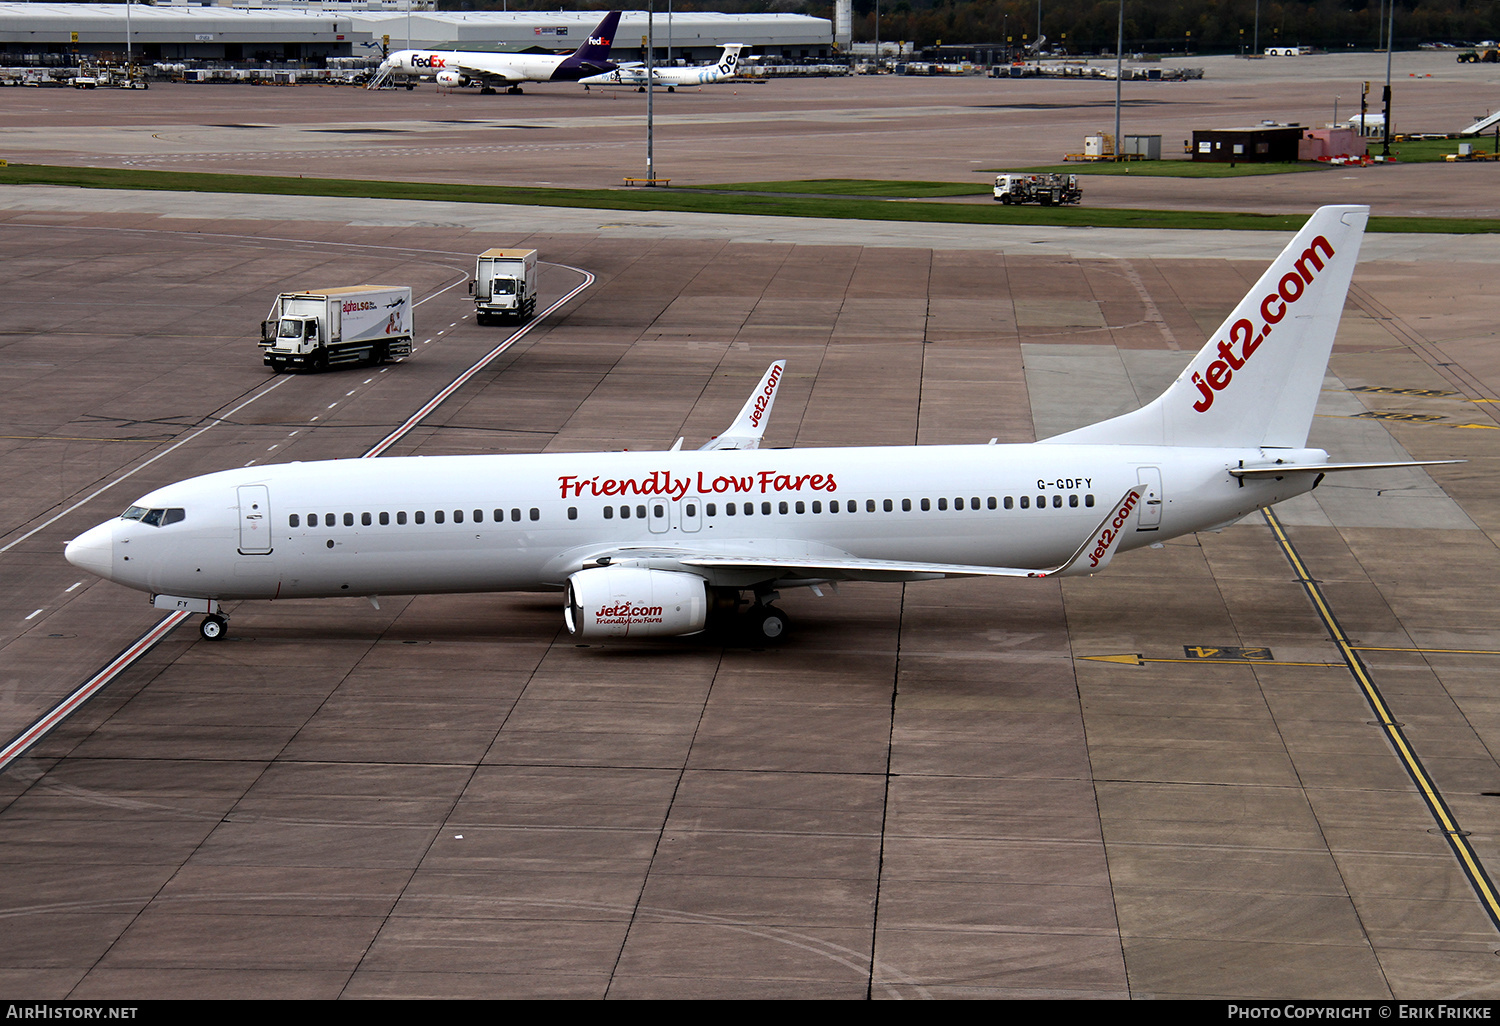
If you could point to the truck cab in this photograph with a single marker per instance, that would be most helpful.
(504, 284)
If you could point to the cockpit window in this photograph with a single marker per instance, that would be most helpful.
(154, 517)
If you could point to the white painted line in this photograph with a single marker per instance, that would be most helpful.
(36, 613)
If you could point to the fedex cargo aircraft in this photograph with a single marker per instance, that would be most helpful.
(647, 544)
(489, 70)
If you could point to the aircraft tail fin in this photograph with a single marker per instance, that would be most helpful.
(593, 55)
(729, 60)
(1256, 381)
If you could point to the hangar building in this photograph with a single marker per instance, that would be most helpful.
(284, 33)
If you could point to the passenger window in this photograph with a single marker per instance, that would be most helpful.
(992, 502)
(887, 505)
(713, 510)
(833, 507)
(730, 509)
(1025, 502)
(365, 519)
(1057, 502)
(385, 518)
(1041, 502)
(401, 517)
(499, 516)
(783, 508)
(1073, 502)
(438, 516)
(817, 506)
(515, 514)
(851, 506)
(765, 508)
(1010, 503)
(1088, 500)
(658, 510)
(749, 509)
(329, 520)
(294, 521)
(458, 516)
(609, 512)
(348, 519)
(906, 505)
(572, 512)
(926, 505)
(801, 506)
(536, 514)
(479, 516)
(692, 509)
(869, 505)
(419, 516)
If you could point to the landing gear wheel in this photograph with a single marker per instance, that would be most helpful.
(767, 625)
(213, 627)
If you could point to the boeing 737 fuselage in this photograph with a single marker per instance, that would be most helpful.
(658, 543)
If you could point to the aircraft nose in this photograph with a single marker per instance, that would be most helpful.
(94, 550)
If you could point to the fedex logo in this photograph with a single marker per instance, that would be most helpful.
(1112, 529)
(764, 399)
(1273, 308)
(431, 61)
(600, 41)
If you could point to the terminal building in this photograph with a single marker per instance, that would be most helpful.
(311, 32)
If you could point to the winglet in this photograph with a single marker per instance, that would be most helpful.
(1099, 548)
(750, 425)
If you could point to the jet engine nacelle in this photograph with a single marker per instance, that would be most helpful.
(449, 78)
(635, 602)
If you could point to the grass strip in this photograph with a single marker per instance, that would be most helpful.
(764, 204)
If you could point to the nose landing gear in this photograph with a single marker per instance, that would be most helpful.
(213, 627)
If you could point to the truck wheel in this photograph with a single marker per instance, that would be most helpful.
(320, 360)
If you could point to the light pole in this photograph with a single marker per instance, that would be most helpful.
(1119, 74)
(1390, 44)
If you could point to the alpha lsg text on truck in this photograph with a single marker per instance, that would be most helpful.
(324, 328)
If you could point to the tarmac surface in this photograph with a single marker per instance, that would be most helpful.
(1165, 781)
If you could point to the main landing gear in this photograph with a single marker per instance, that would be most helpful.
(213, 627)
(758, 624)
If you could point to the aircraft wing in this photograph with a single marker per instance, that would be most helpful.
(1280, 470)
(750, 425)
(1093, 555)
(495, 74)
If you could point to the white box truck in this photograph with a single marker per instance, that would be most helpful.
(504, 284)
(326, 327)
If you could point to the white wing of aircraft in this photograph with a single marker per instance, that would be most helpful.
(634, 74)
(491, 70)
(660, 543)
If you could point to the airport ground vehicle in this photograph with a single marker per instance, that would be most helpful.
(1489, 55)
(1047, 189)
(323, 328)
(504, 284)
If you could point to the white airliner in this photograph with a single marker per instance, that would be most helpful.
(665, 543)
(488, 70)
(634, 74)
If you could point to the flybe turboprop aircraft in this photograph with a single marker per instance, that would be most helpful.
(635, 75)
(488, 70)
(661, 543)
